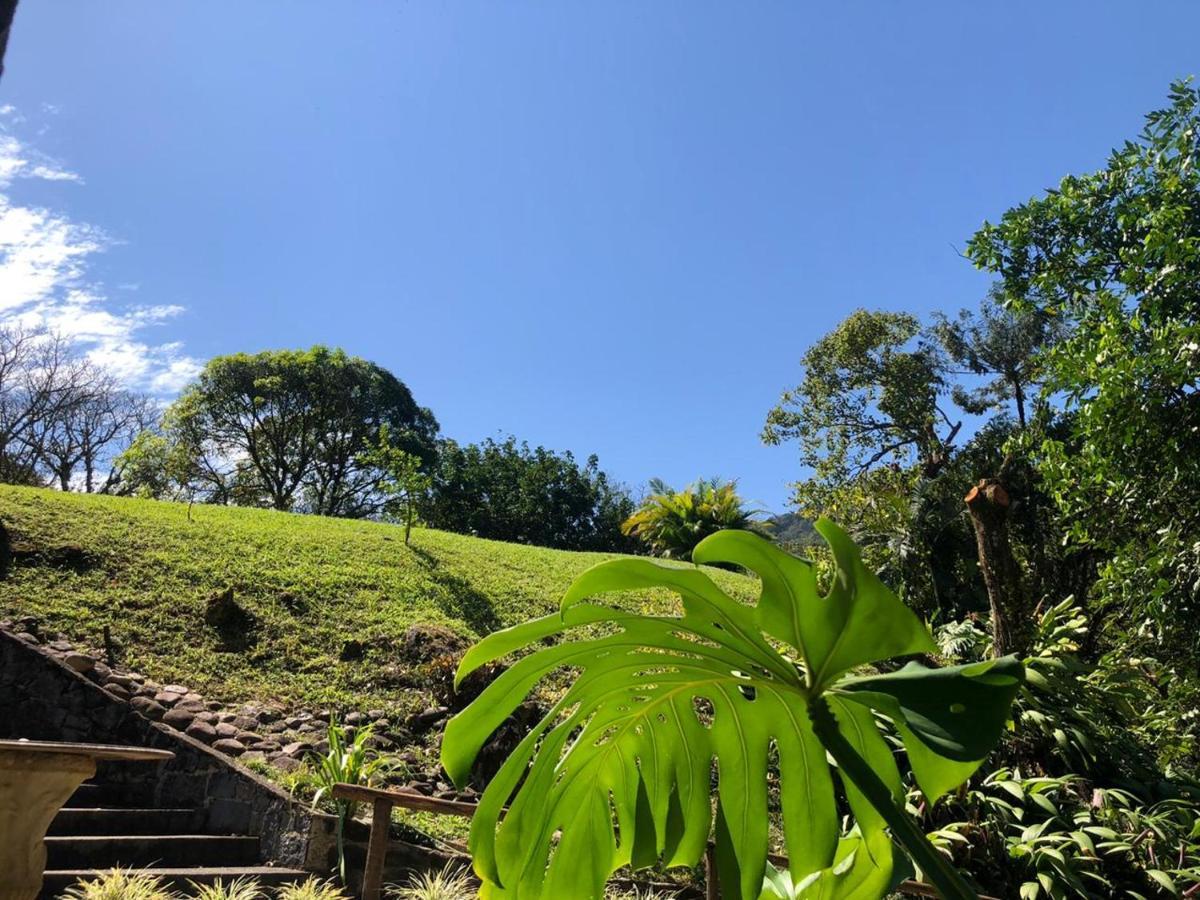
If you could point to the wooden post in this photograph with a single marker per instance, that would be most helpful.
(381, 822)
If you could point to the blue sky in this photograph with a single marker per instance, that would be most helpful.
(609, 227)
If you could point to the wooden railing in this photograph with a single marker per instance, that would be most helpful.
(383, 801)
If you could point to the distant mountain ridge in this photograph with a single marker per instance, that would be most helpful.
(791, 528)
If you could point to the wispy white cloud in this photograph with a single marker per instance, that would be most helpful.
(44, 260)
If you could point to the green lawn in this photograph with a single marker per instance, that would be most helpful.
(311, 583)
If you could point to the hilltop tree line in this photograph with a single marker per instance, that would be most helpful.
(310, 431)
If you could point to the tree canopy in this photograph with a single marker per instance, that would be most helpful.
(289, 429)
(507, 491)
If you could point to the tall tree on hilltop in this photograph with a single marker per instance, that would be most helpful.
(292, 426)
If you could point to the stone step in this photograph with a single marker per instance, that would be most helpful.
(101, 821)
(58, 880)
(92, 794)
(125, 851)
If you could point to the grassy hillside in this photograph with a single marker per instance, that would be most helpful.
(311, 584)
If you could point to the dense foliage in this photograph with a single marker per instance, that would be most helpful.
(671, 523)
(506, 491)
(288, 429)
(1116, 253)
(1063, 515)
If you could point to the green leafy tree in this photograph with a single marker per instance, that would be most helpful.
(873, 394)
(404, 483)
(1117, 253)
(671, 523)
(293, 425)
(619, 770)
(1005, 346)
(507, 491)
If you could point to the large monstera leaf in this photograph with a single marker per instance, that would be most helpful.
(620, 771)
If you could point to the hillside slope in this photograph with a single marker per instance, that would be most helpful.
(309, 584)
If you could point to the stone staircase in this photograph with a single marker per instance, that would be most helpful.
(106, 825)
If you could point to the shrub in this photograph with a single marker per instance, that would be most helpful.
(454, 882)
(312, 889)
(238, 889)
(671, 523)
(120, 884)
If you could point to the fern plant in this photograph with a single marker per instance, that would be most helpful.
(619, 771)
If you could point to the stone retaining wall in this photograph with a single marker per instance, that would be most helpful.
(43, 698)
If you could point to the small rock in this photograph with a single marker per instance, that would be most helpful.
(117, 690)
(266, 716)
(178, 719)
(206, 717)
(123, 680)
(297, 749)
(168, 698)
(426, 719)
(246, 723)
(285, 763)
(376, 714)
(80, 662)
(379, 742)
(28, 638)
(322, 715)
(61, 646)
(176, 689)
(225, 731)
(310, 728)
(229, 746)
(148, 707)
(214, 705)
(201, 731)
(253, 756)
(354, 718)
(266, 747)
(135, 676)
(99, 672)
(249, 737)
(192, 706)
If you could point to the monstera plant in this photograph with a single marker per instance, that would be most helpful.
(620, 770)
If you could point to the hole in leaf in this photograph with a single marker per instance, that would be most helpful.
(704, 711)
(748, 692)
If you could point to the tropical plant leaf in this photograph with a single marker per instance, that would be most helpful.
(620, 770)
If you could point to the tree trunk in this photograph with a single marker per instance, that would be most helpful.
(1012, 607)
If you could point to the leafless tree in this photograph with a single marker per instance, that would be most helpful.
(88, 433)
(40, 376)
(61, 416)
